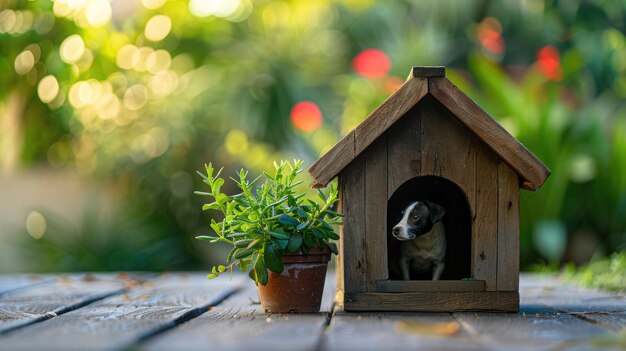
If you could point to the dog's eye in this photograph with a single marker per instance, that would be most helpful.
(416, 217)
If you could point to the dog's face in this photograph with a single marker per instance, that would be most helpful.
(418, 219)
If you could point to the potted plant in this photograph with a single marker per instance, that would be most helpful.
(280, 237)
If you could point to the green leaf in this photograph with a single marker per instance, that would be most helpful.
(319, 233)
(211, 206)
(279, 234)
(320, 193)
(221, 269)
(253, 244)
(334, 214)
(237, 235)
(308, 241)
(221, 198)
(287, 220)
(206, 237)
(272, 259)
(332, 235)
(327, 226)
(242, 243)
(294, 243)
(301, 226)
(280, 244)
(239, 253)
(217, 185)
(211, 276)
(230, 255)
(302, 213)
(260, 271)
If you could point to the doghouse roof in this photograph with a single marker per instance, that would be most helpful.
(423, 81)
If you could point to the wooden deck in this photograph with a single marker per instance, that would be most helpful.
(185, 311)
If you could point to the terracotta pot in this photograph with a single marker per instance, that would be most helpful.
(300, 286)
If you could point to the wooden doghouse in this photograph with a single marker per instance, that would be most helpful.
(428, 140)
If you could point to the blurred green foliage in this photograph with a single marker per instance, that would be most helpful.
(141, 93)
(607, 273)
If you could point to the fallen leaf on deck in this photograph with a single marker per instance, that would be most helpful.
(428, 329)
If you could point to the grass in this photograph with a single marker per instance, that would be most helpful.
(607, 273)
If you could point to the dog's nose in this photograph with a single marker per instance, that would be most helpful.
(395, 231)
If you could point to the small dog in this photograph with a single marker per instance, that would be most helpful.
(423, 237)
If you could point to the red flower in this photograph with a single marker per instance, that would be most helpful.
(371, 63)
(306, 116)
(549, 63)
(489, 35)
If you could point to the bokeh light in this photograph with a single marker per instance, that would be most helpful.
(236, 142)
(231, 10)
(153, 4)
(136, 97)
(306, 116)
(72, 48)
(98, 12)
(158, 27)
(489, 33)
(48, 88)
(24, 62)
(36, 224)
(125, 56)
(549, 63)
(371, 63)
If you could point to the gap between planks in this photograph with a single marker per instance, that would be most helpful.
(123, 322)
(30, 311)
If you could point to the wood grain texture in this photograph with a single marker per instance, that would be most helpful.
(448, 148)
(334, 161)
(433, 301)
(240, 324)
(485, 220)
(339, 265)
(392, 109)
(522, 161)
(11, 283)
(352, 236)
(430, 286)
(429, 71)
(394, 331)
(352, 145)
(121, 321)
(508, 229)
(602, 308)
(20, 308)
(375, 213)
(520, 331)
(404, 150)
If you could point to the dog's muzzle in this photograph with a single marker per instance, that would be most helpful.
(402, 233)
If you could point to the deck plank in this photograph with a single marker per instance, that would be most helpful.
(529, 331)
(11, 283)
(24, 305)
(240, 324)
(119, 322)
(393, 331)
(600, 307)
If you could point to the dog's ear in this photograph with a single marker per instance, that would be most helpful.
(436, 211)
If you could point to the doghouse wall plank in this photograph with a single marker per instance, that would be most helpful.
(352, 245)
(375, 214)
(403, 152)
(508, 229)
(485, 223)
(448, 148)
(451, 151)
